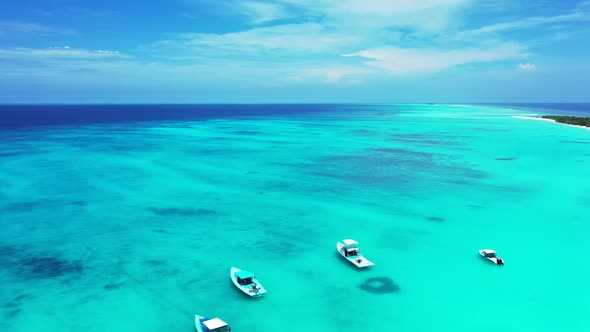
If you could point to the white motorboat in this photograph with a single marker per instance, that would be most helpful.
(349, 249)
(490, 255)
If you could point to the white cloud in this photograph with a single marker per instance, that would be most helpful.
(345, 26)
(378, 7)
(78, 12)
(7, 27)
(106, 52)
(254, 12)
(296, 78)
(403, 61)
(310, 48)
(261, 12)
(426, 15)
(293, 39)
(531, 22)
(527, 66)
(21, 53)
(333, 74)
(327, 27)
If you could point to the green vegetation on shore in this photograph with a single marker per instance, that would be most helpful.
(571, 120)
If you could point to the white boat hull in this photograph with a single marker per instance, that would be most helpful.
(491, 259)
(246, 289)
(359, 260)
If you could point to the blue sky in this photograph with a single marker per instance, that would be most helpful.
(255, 51)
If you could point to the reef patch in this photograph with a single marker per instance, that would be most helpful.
(40, 267)
(181, 212)
(380, 285)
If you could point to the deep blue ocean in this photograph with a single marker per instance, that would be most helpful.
(14, 116)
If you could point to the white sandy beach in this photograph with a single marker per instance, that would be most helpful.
(550, 120)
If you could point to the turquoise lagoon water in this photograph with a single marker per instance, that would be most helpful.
(134, 226)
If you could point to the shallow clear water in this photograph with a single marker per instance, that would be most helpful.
(134, 226)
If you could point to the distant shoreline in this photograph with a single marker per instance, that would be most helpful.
(570, 120)
(549, 118)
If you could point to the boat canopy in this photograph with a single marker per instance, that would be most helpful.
(244, 275)
(213, 324)
(489, 251)
(351, 248)
(349, 242)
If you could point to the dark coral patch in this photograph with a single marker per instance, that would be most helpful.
(380, 285)
(507, 158)
(576, 142)
(13, 307)
(11, 304)
(429, 139)
(364, 132)
(392, 168)
(12, 154)
(181, 212)
(247, 132)
(21, 206)
(8, 251)
(460, 182)
(112, 286)
(120, 148)
(435, 219)
(13, 313)
(155, 262)
(406, 152)
(218, 151)
(48, 267)
(161, 231)
(21, 297)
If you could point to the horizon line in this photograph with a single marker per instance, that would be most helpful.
(296, 103)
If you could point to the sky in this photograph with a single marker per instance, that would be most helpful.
(294, 51)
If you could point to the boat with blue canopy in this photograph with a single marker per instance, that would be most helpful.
(204, 324)
(246, 282)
